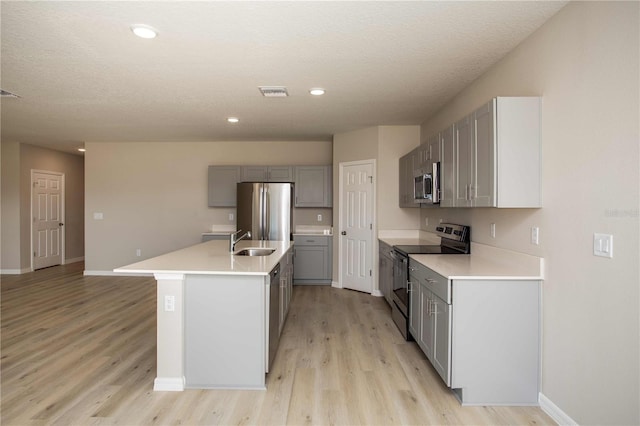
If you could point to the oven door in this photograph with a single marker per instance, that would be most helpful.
(400, 295)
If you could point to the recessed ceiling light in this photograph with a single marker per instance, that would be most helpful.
(81, 149)
(233, 119)
(144, 31)
(317, 91)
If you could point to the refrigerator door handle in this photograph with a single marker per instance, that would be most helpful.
(262, 210)
(267, 214)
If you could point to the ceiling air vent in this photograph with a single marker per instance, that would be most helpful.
(5, 94)
(273, 91)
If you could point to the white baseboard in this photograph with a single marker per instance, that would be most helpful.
(74, 260)
(174, 384)
(335, 284)
(113, 274)
(555, 412)
(377, 293)
(15, 271)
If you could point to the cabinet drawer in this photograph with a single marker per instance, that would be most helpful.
(309, 240)
(438, 284)
(433, 281)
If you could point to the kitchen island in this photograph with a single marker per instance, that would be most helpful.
(213, 313)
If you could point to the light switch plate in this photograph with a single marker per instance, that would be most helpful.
(603, 245)
(535, 235)
(98, 216)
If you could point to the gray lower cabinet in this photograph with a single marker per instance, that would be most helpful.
(286, 285)
(222, 185)
(385, 270)
(313, 186)
(481, 336)
(312, 260)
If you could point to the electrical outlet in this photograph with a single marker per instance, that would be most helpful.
(98, 216)
(230, 217)
(603, 245)
(492, 230)
(169, 303)
(535, 235)
(319, 218)
(138, 252)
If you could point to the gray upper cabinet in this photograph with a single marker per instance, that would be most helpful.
(497, 155)
(313, 186)
(267, 174)
(447, 179)
(222, 185)
(407, 167)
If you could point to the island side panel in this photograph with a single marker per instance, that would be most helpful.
(170, 332)
(225, 331)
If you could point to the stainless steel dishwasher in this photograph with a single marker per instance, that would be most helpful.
(274, 314)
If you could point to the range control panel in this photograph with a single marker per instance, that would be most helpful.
(453, 232)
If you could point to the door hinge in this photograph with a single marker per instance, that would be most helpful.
(370, 272)
(371, 226)
(34, 254)
(370, 179)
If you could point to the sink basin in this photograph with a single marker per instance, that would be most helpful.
(255, 252)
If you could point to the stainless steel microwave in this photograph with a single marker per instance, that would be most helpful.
(426, 188)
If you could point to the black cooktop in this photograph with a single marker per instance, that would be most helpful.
(424, 249)
(454, 239)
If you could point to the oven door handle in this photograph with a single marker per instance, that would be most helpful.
(393, 255)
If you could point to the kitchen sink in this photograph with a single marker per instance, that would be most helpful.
(261, 251)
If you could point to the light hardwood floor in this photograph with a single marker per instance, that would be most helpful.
(81, 351)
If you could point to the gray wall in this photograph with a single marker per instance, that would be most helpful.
(17, 162)
(154, 195)
(584, 64)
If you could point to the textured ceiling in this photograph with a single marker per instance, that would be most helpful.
(82, 75)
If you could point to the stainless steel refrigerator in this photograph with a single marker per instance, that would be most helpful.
(265, 209)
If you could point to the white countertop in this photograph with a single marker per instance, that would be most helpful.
(313, 230)
(212, 257)
(484, 263)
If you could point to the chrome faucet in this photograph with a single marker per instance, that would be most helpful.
(233, 240)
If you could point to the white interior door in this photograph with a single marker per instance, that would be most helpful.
(356, 225)
(47, 210)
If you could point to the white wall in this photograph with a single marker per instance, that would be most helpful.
(153, 196)
(584, 64)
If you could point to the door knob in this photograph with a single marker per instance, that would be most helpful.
(60, 224)
(344, 232)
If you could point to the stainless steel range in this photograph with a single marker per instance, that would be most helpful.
(454, 239)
